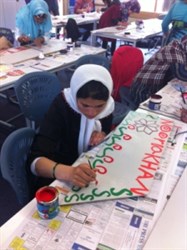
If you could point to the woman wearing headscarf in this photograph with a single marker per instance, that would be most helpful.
(128, 7)
(79, 117)
(177, 15)
(33, 23)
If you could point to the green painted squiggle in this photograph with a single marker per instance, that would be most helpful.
(121, 130)
(90, 197)
(122, 191)
(104, 152)
(76, 189)
(84, 197)
(70, 198)
(112, 140)
(100, 194)
(95, 162)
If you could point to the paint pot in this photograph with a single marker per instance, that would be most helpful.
(184, 112)
(155, 102)
(47, 202)
(70, 46)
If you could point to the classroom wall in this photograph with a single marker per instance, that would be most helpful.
(8, 10)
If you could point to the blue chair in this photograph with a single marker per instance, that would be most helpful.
(93, 59)
(66, 74)
(13, 158)
(35, 92)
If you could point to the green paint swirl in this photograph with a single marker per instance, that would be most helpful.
(84, 197)
(122, 191)
(100, 194)
(112, 139)
(76, 189)
(104, 151)
(70, 198)
(95, 162)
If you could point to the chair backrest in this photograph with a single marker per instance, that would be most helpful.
(126, 62)
(7, 33)
(13, 158)
(93, 59)
(72, 30)
(35, 92)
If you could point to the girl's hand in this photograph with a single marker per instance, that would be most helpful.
(82, 175)
(39, 41)
(24, 39)
(96, 138)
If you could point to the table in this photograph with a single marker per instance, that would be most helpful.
(87, 18)
(19, 61)
(114, 224)
(151, 27)
(175, 238)
(26, 60)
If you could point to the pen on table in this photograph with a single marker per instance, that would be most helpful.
(174, 137)
(91, 167)
(19, 65)
(182, 95)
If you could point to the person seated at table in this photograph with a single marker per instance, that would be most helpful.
(79, 117)
(33, 23)
(110, 17)
(53, 10)
(82, 7)
(107, 4)
(177, 15)
(5, 43)
(167, 63)
(127, 8)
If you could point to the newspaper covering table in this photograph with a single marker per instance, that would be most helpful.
(171, 99)
(105, 225)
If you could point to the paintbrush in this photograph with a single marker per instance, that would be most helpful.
(182, 96)
(91, 167)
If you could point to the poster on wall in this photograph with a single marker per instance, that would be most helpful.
(126, 164)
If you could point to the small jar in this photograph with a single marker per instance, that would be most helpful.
(155, 102)
(184, 112)
(47, 202)
(70, 46)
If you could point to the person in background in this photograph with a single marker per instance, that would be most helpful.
(79, 117)
(53, 6)
(33, 23)
(82, 7)
(5, 43)
(177, 15)
(167, 63)
(107, 4)
(110, 17)
(127, 8)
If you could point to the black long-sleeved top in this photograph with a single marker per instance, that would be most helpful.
(58, 136)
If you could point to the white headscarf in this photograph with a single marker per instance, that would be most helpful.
(81, 76)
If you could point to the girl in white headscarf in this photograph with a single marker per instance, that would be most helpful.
(79, 117)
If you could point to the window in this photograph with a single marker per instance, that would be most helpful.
(155, 5)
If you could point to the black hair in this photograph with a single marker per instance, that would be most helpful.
(95, 90)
